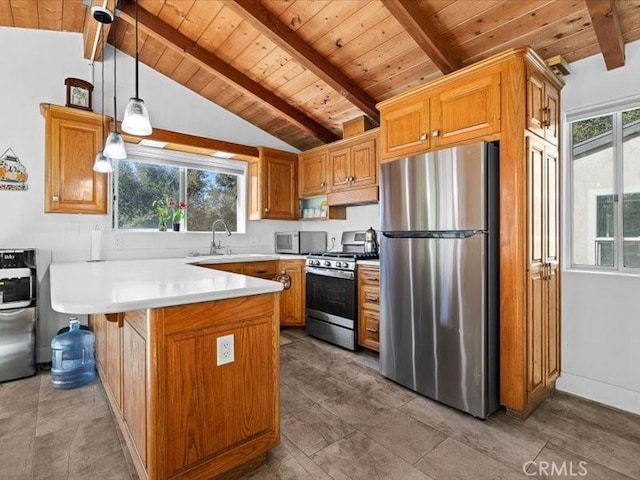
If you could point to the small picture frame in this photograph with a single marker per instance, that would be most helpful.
(79, 94)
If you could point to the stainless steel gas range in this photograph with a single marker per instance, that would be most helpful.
(332, 294)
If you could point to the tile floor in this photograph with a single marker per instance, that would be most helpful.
(340, 420)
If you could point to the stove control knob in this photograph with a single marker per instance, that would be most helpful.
(327, 263)
(315, 262)
(338, 264)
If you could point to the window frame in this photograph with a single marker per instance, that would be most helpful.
(615, 108)
(185, 161)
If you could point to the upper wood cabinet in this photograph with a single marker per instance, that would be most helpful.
(453, 112)
(312, 172)
(353, 165)
(467, 108)
(72, 139)
(404, 127)
(543, 107)
(273, 185)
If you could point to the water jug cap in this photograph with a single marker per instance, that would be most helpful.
(74, 324)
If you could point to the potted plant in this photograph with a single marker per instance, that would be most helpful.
(178, 213)
(164, 213)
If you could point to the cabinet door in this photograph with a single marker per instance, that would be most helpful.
(552, 114)
(279, 192)
(551, 254)
(468, 108)
(135, 388)
(312, 170)
(71, 184)
(340, 169)
(404, 128)
(364, 167)
(535, 103)
(536, 284)
(113, 370)
(292, 301)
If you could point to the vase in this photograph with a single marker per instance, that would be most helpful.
(176, 227)
(162, 226)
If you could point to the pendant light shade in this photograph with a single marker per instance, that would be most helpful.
(136, 117)
(102, 164)
(114, 148)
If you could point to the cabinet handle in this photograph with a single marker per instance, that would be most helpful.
(322, 184)
(546, 117)
(372, 330)
(435, 133)
(423, 137)
(266, 210)
(371, 279)
(261, 271)
(371, 298)
(56, 198)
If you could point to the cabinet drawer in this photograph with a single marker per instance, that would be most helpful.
(369, 276)
(369, 335)
(370, 298)
(225, 267)
(265, 270)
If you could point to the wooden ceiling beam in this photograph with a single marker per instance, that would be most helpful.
(93, 47)
(606, 24)
(417, 24)
(171, 38)
(279, 33)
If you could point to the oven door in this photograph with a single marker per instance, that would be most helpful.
(331, 303)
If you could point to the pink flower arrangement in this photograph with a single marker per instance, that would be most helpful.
(177, 210)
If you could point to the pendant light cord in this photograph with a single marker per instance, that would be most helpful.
(137, 97)
(115, 66)
(102, 88)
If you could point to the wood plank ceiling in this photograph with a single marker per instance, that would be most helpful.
(298, 69)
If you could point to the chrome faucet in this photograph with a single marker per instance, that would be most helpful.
(214, 248)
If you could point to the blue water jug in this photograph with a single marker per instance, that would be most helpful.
(72, 359)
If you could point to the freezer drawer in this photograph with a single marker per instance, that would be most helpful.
(17, 343)
(434, 319)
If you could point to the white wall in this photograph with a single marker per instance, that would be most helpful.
(36, 63)
(600, 311)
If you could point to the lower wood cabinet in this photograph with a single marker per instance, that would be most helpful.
(182, 415)
(292, 299)
(369, 307)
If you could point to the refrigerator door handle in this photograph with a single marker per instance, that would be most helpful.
(435, 234)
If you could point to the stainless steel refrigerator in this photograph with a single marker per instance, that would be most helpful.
(440, 276)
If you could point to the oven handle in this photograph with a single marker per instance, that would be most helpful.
(330, 273)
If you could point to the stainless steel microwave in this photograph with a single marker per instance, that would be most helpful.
(301, 242)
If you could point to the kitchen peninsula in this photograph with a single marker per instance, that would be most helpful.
(187, 408)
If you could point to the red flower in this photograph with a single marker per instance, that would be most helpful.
(183, 205)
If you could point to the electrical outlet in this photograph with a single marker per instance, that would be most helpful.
(225, 349)
(117, 242)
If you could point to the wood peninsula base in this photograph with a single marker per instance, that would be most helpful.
(182, 415)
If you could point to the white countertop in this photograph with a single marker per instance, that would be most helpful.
(121, 285)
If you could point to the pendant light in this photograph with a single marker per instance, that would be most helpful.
(136, 117)
(114, 148)
(102, 164)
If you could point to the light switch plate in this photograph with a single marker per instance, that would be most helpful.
(225, 349)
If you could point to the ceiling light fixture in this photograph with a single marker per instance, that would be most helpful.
(136, 117)
(102, 164)
(114, 148)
